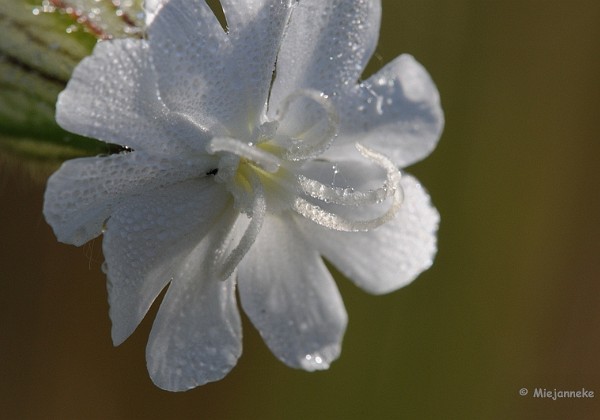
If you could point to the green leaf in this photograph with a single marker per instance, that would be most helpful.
(41, 42)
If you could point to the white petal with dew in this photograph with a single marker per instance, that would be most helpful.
(196, 337)
(148, 238)
(243, 13)
(218, 79)
(291, 298)
(84, 192)
(390, 256)
(113, 96)
(397, 111)
(256, 31)
(326, 47)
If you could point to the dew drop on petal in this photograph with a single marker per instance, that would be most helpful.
(313, 362)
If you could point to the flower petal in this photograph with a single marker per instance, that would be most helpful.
(397, 111)
(219, 80)
(391, 256)
(151, 8)
(291, 298)
(326, 47)
(243, 13)
(147, 238)
(112, 96)
(196, 337)
(83, 193)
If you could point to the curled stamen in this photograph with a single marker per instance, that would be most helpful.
(301, 149)
(224, 267)
(265, 160)
(335, 221)
(343, 196)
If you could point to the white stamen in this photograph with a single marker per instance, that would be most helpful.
(265, 160)
(300, 149)
(227, 265)
(343, 196)
(340, 223)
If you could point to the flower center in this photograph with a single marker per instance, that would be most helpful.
(243, 166)
(268, 174)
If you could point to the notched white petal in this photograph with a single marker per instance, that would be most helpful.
(147, 238)
(82, 194)
(196, 337)
(221, 80)
(396, 111)
(326, 47)
(391, 256)
(112, 96)
(291, 298)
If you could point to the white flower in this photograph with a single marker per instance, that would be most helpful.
(239, 175)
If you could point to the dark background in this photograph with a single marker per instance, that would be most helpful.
(512, 300)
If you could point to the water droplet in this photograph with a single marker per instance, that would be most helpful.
(71, 29)
(313, 362)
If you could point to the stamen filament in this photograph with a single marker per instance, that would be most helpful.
(335, 221)
(300, 149)
(227, 265)
(265, 160)
(342, 196)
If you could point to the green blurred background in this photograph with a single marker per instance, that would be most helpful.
(512, 300)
